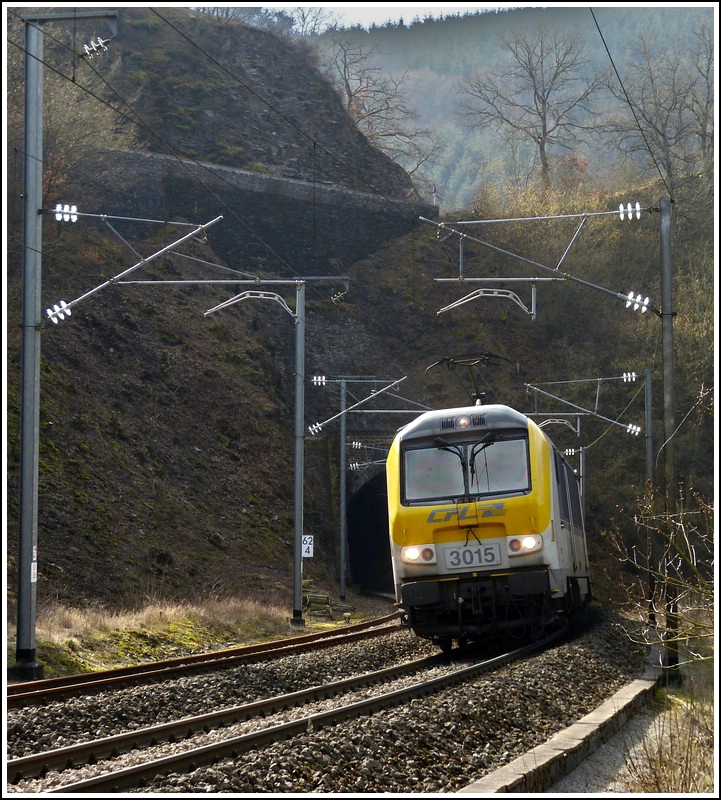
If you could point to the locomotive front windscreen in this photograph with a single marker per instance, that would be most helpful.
(495, 465)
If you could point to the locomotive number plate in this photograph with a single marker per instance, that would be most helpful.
(473, 555)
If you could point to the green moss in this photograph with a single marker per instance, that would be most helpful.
(63, 659)
(120, 648)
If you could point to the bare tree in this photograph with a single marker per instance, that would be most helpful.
(676, 564)
(669, 101)
(245, 14)
(542, 96)
(251, 15)
(298, 21)
(672, 554)
(81, 127)
(701, 99)
(310, 21)
(377, 105)
(279, 21)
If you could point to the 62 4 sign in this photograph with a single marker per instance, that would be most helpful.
(307, 547)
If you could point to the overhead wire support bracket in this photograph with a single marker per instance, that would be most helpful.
(408, 400)
(252, 295)
(494, 293)
(627, 377)
(572, 242)
(105, 217)
(632, 429)
(318, 426)
(637, 302)
(53, 313)
(561, 421)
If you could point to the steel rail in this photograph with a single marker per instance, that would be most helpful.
(37, 692)
(38, 764)
(140, 775)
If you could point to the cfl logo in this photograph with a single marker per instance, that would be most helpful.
(464, 513)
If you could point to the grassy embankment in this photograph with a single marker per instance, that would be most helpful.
(75, 640)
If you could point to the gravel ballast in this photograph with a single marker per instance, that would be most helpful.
(434, 744)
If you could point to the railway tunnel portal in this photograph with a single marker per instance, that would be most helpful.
(369, 557)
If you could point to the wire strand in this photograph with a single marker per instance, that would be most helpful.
(630, 105)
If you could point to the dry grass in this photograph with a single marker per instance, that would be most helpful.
(677, 755)
(58, 623)
(70, 640)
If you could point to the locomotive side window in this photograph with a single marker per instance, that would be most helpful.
(575, 494)
(562, 489)
(493, 465)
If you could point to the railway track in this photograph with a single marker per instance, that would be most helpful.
(20, 695)
(139, 775)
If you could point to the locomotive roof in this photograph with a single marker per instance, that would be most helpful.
(445, 420)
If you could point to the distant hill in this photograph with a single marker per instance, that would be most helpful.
(434, 54)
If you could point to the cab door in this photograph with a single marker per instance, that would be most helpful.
(566, 537)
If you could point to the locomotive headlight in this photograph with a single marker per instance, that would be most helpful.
(522, 545)
(421, 554)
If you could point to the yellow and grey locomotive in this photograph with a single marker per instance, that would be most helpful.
(486, 526)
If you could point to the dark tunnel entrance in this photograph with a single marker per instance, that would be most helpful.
(369, 555)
